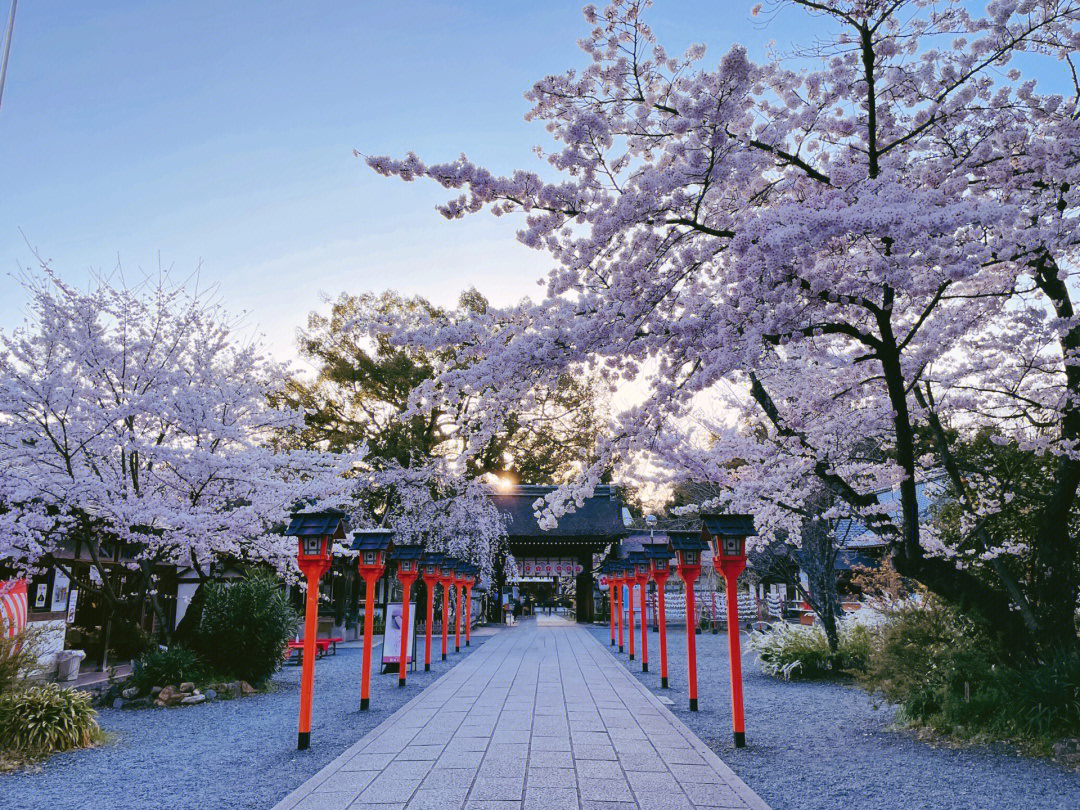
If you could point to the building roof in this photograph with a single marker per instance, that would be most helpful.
(598, 520)
(852, 533)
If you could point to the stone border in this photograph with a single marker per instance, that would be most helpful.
(738, 785)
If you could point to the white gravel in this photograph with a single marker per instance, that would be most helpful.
(222, 754)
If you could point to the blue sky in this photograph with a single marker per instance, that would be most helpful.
(222, 134)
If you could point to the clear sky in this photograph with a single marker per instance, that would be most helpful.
(221, 133)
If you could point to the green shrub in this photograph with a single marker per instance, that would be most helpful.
(42, 720)
(169, 667)
(945, 674)
(245, 626)
(18, 656)
(793, 651)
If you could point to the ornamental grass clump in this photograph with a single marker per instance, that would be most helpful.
(795, 652)
(42, 720)
(169, 667)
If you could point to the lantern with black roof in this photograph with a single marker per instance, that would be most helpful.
(471, 572)
(640, 561)
(605, 572)
(315, 533)
(446, 579)
(431, 566)
(459, 584)
(618, 578)
(371, 546)
(659, 555)
(407, 558)
(727, 535)
(687, 547)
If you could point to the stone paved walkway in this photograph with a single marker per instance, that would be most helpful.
(537, 718)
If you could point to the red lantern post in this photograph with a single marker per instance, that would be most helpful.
(658, 568)
(618, 579)
(371, 545)
(408, 560)
(641, 577)
(688, 547)
(447, 581)
(430, 563)
(727, 534)
(629, 579)
(470, 580)
(315, 533)
(605, 569)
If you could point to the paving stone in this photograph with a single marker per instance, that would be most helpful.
(497, 787)
(549, 798)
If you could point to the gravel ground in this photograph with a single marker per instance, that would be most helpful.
(226, 754)
(825, 746)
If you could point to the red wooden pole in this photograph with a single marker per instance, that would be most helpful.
(661, 582)
(644, 627)
(630, 615)
(307, 676)
(406, 591)
(445, 611)
(689, 574)
(457, 620)
(611, 605)
(369, 630)
(618, 608)
(468, 613)
(731, 576)
(429, 583)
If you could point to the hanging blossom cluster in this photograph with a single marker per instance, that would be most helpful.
(442, 510)
(873, 244)
(135, 415)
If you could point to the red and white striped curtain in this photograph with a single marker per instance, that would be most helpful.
(13, 606)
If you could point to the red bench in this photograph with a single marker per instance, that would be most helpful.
(322, 647)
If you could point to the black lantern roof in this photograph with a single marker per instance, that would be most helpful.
(639, 558)
(372, 539)
(657, 551)
(686, 541)
(329, 523)
(407, 552)
(729, 525)
(432, 558)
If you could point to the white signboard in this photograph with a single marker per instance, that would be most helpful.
(391, 648)
(60, 588)
(71, 605)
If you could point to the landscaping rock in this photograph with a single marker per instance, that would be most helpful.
(119, 702)
(247, 689)
(155, 691)
(169, 696)
(1067, 752)
(191, 700)
(132, 692)
(211, 694)
(234, 688)
(187, 687)
(139, 703)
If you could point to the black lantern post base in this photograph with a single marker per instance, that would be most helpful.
(645, 666)
(363, 703)
(663, 683)
(740, 739)
(303, 740)
(693, 704)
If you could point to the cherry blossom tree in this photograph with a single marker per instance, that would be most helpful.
(867, 246)
(135, 415)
